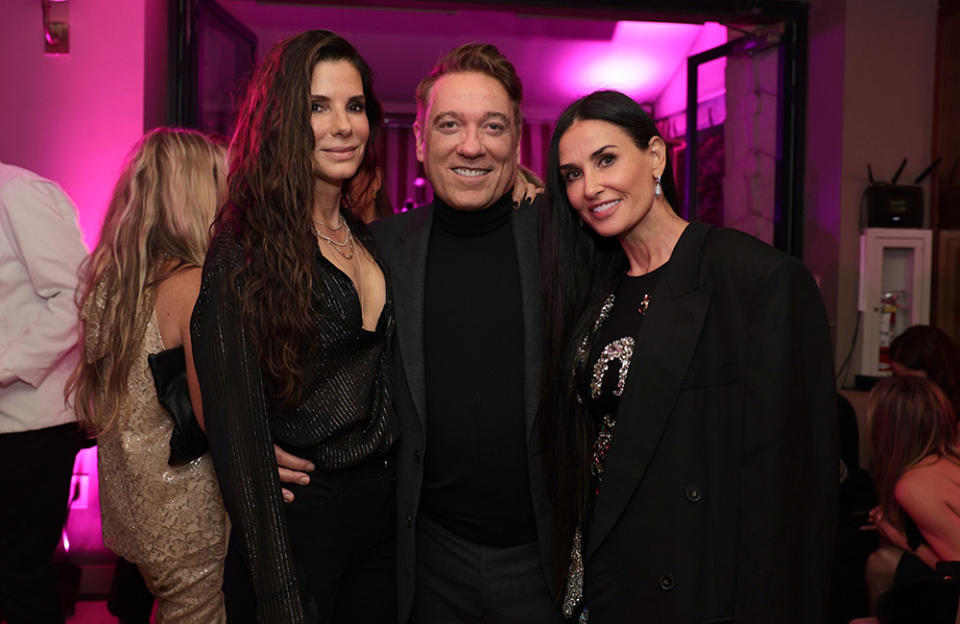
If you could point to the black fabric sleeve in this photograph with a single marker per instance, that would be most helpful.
(235, 412)
(790, 465)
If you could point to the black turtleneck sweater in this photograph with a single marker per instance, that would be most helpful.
(476, 482)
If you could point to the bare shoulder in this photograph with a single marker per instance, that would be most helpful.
(176, 296)
(181, 287)
(933, 481)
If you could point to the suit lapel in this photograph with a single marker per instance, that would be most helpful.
(525, 238)
(664, 347)
(408, 289)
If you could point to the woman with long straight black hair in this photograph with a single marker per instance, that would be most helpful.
(688, 409)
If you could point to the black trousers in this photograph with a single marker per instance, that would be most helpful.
(461, 582)
(35, 471)
(343, 543)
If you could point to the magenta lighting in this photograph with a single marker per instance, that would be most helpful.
(642, 59)
(620, 70)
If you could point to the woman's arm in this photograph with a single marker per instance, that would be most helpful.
(789, 455)
(175, 300)
(235, 409)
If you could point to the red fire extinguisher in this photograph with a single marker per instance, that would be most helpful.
(888, 323)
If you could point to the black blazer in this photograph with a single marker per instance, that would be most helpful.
(719, 492)
(402, 242)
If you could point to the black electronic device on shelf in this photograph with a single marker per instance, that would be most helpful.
(892, 205)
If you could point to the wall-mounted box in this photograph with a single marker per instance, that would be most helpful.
(895, 289)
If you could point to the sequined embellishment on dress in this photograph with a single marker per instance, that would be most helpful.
(600, 448)
(582, 349)
(644, 304)
(621, 350)
(574, 591)
(604, 313)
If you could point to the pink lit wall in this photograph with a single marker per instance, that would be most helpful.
(72, 118)
(870, 99)
(822, 170)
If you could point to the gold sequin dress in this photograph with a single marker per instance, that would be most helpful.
(169, 521)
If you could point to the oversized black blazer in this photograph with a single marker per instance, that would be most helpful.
(402, 243)
(718, 498)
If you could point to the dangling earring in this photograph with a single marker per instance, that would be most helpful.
(657, 189)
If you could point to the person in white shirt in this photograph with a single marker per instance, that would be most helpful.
(40, 251)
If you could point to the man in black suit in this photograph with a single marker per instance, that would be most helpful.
(474, 534)
(465, 282)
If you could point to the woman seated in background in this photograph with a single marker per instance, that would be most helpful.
(688, 410)
(927, 351)
(916, 467)
(292, 327)
(138, 288)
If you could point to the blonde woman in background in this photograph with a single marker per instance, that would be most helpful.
(138, 288)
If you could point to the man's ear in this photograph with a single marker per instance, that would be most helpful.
(418, 134)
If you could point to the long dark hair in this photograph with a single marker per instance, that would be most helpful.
(910, 419)
(271, 185)
(578, 270)
(928, 349)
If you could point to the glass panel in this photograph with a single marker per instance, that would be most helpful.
(224, 59)
(897, 287)
(711, 113)
(737, 140)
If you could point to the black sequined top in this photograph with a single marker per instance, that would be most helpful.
(344, 415)
(604, 369)
(611, 350)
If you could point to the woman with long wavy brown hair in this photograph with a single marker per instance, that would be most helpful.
(137, 291)
(291, 331)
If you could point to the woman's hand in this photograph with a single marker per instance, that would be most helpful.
(292, 469)
(887, 531)
(528, 186)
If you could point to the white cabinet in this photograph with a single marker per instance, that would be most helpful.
(895, 283)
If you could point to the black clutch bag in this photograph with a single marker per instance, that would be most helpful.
(169, 369)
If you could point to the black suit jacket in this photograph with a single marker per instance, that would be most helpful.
(402, 244)
(719, 490)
